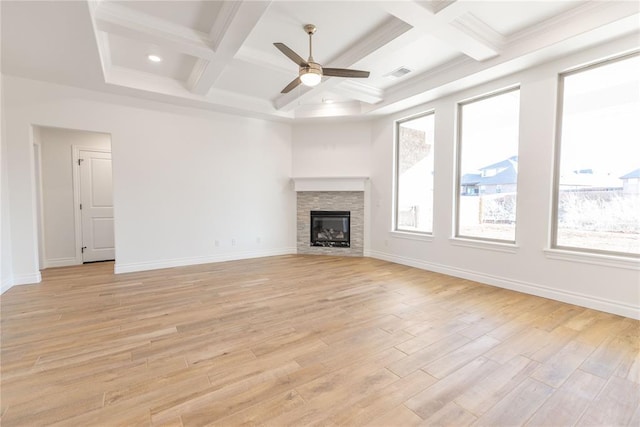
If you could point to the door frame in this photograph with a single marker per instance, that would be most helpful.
(39, 201)
(77, 213)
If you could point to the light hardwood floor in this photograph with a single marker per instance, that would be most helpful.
(307, 340)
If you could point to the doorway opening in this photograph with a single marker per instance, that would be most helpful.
(74, 175)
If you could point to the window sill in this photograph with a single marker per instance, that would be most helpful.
(593, 258)
(423, 237)
(510, 248)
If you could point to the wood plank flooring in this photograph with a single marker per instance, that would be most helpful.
(307, 340)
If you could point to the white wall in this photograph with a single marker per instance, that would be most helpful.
(183, 178)
(57, 189)
(330, 149)
(6, 267)
(605, 284)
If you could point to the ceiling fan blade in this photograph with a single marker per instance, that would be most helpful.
(343, 72)
(295, 83)
(291, 54)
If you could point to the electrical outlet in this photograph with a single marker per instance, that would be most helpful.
(217, 243)
(258, 240)
(233, 242)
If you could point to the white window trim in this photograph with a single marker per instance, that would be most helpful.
(412, 235)
(396, 181)
(593, 258)
(496, 246)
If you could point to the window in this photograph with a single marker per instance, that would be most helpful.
(414, 174)
(597, 197)
(488, 167)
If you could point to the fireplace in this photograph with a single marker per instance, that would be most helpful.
(330, 228)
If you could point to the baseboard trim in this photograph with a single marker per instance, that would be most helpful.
(6, 284)
(575, 298)
(61, 262)
(27, 279)
(182, 262)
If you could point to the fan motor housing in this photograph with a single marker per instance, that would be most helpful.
(313, 67)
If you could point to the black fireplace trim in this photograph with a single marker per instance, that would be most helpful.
(331, 243)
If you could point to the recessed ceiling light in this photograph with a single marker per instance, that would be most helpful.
(154, 58)
(327, 101)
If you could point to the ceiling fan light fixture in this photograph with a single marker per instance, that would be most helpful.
(310, 79)
(311, 75)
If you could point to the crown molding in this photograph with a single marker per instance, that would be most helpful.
(478, 29)
(196, 73)
(360, 91)
(165, 89)
(227, 14)
(586, 15)
(337, 109)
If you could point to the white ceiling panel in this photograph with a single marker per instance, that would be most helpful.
(133, 54)
(418, 55)
(243, 78)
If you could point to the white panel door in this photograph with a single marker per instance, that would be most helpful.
(96, 202)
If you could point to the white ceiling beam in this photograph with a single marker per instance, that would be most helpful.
(233, 25)
(360, 91)
(383, 34)
(117, 19)
(451, 24)
(102, 40)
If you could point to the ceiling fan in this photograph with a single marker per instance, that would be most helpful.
(311, 72)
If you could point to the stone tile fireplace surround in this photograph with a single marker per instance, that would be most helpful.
(330, 194)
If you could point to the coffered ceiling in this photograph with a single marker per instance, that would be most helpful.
(219, 54)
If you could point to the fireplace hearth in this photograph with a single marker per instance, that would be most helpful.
(330, 229)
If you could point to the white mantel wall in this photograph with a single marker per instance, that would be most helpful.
(183, 178)
(331, 149)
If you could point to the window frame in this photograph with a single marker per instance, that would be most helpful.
(458, 170)
(557, 151)
(396, 185)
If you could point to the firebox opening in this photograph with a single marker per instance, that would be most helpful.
(330, 228)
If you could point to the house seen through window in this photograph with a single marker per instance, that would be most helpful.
(597, 189)
(414, 174)
(488, 167)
